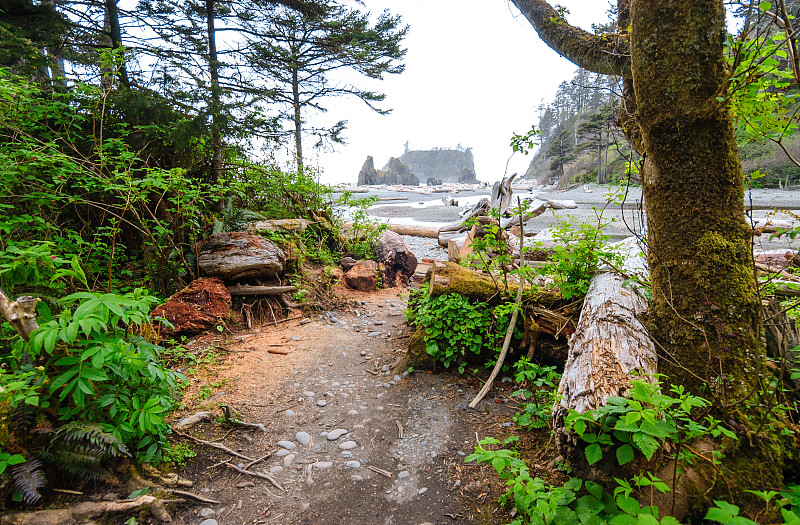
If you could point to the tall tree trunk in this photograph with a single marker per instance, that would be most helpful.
(705, 309)
(298, 121)
(705, 312)
(115, 34)
(216, 100)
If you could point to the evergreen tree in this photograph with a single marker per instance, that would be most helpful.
(302, 53)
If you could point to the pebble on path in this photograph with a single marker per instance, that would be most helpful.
(321, 403)
(333, 435)
(287, 444)
(304, 438)
(347, 445)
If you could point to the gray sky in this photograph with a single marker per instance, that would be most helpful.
(475, 73)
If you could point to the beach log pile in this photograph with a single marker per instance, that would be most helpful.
(457, 236)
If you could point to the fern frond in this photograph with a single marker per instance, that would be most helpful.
(82, 464)
(89, 433)
(28, 479)
(22, 418)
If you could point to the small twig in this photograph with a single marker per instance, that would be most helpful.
(510, 331)
(262, 458)
(373, 372)
(256, 474)
(213, 445)
(67, 491)
(380, 471)
(399, 430)
(290, 319)
(277, 351)
(193, 496)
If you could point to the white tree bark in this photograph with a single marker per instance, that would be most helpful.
(610, 344)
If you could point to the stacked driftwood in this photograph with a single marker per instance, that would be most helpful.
(459, 236)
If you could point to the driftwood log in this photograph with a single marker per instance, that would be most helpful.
(502, 193)
(243, 289)
(21, 314)
(610, 343)
(480, 209)
(536, 208)
(86, 511)
(295, 225)
(416, 231)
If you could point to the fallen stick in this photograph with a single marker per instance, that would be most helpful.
(262, 458)
(257, 475)
(245, 289)
(399, 430)
(192, 495)
(277, 351)
(510, 331)
(380, 471)
(213, 445)
(67, 491)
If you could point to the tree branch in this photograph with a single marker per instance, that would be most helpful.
(607, 54)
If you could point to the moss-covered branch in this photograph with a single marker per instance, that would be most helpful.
(606, 54)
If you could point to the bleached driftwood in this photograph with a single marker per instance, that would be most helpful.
(480, 209)
(610, 343)
(295, 225)
(416, 231)
(244, 289)
(536, 208)
(502, 193)
(21, 314)
(85, 511)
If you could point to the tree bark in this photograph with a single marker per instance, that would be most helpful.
(20, 314)
(216, 100)
(705, 310)
(610, 342)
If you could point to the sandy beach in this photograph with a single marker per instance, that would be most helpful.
(427, 209)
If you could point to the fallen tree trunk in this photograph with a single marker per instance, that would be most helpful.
(416, 231)
(83, 512)
(243, 289)
(610, 344)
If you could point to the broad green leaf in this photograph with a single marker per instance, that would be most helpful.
(594, 453)
(624, 454)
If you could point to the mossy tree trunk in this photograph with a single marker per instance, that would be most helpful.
(705, 312)
(705, 309)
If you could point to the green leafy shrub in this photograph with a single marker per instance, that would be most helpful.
(92, 382)
(454, 326)
(579, 252)
(539, 392)
(575, 502)
(643, 421)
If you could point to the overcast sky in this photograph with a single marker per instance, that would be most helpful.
(475, 73)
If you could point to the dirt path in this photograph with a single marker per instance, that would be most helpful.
(341, 376)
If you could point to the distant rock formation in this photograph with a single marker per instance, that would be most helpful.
(434, 181)
(368, 174)
(445, 164)
(468, 176)
(394, 173)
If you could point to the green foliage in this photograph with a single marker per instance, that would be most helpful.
(539, 390)
(575, 502)
(178, 454)
(579, 252)
(642, 422)
(86, 183)
(455, 326)
(96, 367)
